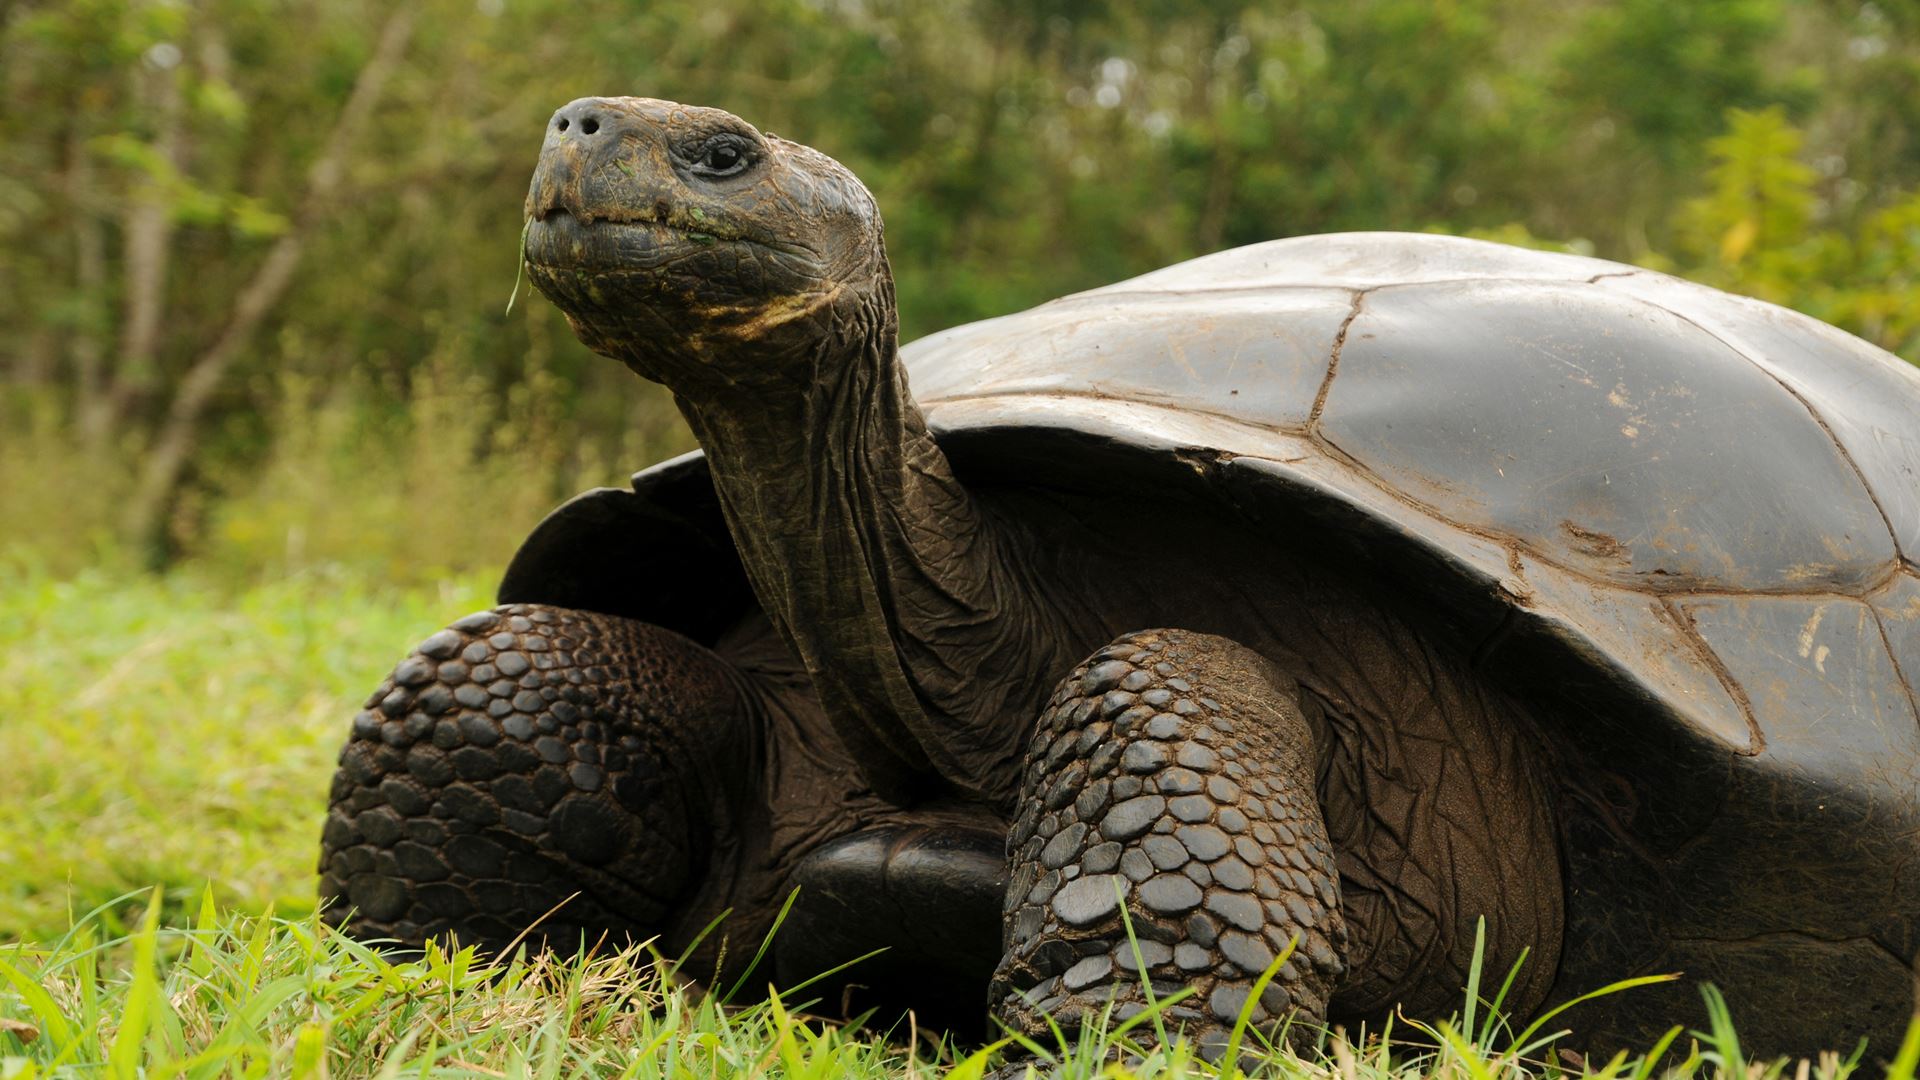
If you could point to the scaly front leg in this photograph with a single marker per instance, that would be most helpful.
(533, 761)
(1174, 771)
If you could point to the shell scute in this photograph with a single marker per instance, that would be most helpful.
(1898, 606)
(1864, 397)
(1606, 434)
(1644, 638)
(1822, 686)
(1260, 357)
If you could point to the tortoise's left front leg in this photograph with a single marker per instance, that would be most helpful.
(1172, 771)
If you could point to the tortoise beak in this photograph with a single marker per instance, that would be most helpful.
(595, 162)
(556, 183)
(600, 192)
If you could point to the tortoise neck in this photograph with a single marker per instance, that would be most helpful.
(892, 584)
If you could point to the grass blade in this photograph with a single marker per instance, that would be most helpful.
(1495, 1018)
(519, 266)
(1465, 1051)
(53, 1023)
(143, 993)
(765, 944)
(1651, 1061)
(1725, 1041)
(1521, 1042)
(1230, 1060)
(1473, 972)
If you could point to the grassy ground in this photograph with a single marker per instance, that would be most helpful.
(234, 996)
(161, 731)
(174, 733)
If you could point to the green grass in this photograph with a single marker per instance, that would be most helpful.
(238, 996)
(233, 995)
(164, 731)
(179, 733)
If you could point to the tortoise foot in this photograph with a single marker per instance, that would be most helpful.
(925, 897)
(521, 764)
(1170, 838)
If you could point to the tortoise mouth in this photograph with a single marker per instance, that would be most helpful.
(557, 240)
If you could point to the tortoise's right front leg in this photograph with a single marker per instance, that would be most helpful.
(528, 759)
(1172, 773)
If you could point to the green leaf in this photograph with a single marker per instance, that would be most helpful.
(765, 944)
(206, 928)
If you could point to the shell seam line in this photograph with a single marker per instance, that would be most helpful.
(1333, 362)
(1180, 408)
(1840, 448)
(1682, 588)
(1510, 543)
(1683, 622)
(1863, 595)
(1899, 673)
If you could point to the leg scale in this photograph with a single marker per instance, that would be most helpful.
(525, 759)
(1172, 773)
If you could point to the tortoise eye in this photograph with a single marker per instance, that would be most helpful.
(724, 155)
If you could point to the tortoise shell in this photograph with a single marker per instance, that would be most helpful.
(1682, 525)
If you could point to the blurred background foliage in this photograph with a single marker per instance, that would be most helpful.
(254, 254)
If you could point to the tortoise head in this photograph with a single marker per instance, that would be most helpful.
(698, 250)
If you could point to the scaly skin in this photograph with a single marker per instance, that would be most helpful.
(1172, 770)
(523, 756)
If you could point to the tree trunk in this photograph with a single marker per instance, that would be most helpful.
(89, 273)
(166, 459)
(149, 231)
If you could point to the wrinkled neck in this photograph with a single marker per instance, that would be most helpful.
(880, 570)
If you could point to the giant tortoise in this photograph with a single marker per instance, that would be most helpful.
(1328, 594)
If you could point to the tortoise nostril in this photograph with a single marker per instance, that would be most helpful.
(562, 125)
(589, 125)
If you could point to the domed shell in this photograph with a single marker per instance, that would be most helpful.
(1712, 491)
